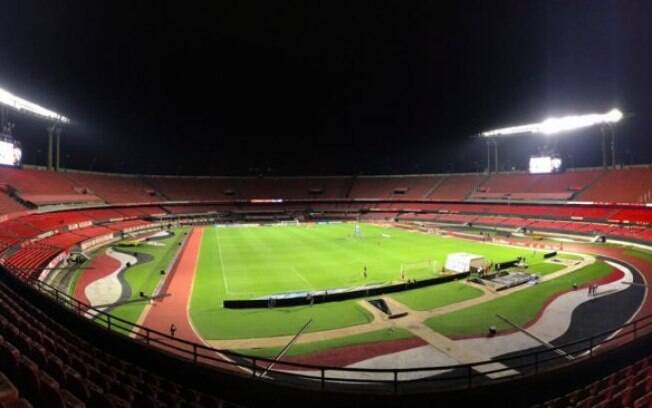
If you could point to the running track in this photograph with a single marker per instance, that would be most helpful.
(174, 307)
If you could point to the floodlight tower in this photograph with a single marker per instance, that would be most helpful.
(553, 126)
(56, 120)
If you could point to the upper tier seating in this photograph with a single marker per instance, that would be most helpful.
(400, 187)
(114, 188)
(631, 185)
(9, 205)
(456, 187)
(43, 187)
(539, 183)
(195, 188)
(561, 186)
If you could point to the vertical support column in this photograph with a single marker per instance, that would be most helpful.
(4, 118)
(488, 156)
(58, 151)
(604, 146)
(496, 154)
(50, 141)
(613, 146)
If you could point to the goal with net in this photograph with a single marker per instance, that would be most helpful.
(421, 269)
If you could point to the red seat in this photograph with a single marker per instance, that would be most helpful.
(8, 391)
(644, 402)
(28, 377)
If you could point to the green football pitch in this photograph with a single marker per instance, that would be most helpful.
(259, 261)
(251, 262)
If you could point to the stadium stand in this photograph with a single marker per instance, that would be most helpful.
(7, 203)
(52, 366)
(114, 188)
(547, 184)
(43, 187)
(627, 185)
(195, 209)
(628, 387)
(195, 188)
(627, 215)
(399, 187)
(31, 359)
(456, 187)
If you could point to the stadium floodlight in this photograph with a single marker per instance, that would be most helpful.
(552, 126)
(22, 105)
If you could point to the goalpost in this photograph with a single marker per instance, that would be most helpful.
(423, 268)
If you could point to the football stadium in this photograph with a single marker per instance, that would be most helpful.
(500, 287)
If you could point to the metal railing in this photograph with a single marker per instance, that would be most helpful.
(397, 380)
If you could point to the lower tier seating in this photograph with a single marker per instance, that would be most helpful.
(628, 387)
(51, 366)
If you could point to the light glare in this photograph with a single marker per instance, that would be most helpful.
(552, 126)
(20, 104)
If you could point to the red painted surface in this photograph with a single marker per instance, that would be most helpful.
(347, 355)
(101, 266)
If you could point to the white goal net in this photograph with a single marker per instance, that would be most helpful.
(421, 269)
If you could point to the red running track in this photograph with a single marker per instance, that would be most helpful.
(173, 308)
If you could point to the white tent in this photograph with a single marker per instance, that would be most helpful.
(460, 262)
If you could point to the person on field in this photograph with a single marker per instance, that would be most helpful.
(364, 272)
(173, 329)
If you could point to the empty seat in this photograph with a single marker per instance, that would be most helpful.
(8, 391)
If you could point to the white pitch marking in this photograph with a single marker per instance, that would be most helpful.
(302, 278)
(219, 252)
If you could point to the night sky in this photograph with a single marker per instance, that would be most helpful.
(308, 87)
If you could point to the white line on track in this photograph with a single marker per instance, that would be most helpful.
(219, 252)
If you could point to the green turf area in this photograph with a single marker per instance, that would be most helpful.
(255, 262)
(432, 297)
(218, 323)
(570, 257)
(544, 268)
(317, 346)
(244, 263)
(146, 276)
(520, 307)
